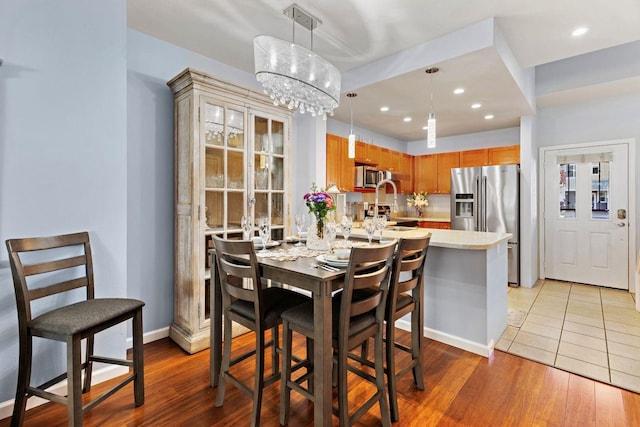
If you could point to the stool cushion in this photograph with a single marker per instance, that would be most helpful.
(275, 300)
(83, 315)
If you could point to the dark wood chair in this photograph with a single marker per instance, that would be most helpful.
(47, 266)
(247, 302)
(405, 296)
(355, 320)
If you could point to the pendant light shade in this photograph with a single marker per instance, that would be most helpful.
(351, 152)
(294, 76)
(431, 121)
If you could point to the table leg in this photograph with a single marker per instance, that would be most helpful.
(322, 357)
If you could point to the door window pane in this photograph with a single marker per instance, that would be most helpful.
(600, 190)
(567, 190)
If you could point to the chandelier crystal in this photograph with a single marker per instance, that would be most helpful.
(295, 76)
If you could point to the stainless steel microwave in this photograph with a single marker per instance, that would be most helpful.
(366, 177)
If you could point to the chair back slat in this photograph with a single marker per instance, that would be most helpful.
(374, 278)
(49, 272)
(57, 288)
(410, 259)
(47, 267)
(239, 272)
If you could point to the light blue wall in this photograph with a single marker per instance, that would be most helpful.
(63, 153)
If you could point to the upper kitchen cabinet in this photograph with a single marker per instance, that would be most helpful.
(406, 173)
(470, 158)
(490, 156)
(504, 155)
(433, 172)
(231, 154)
(368, 154)
(426, 173)
(446, 161)
(340, 168)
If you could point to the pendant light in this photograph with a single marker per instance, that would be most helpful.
(431, 121)
(352, 137)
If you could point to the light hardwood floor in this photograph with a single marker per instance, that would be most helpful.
(462, 389)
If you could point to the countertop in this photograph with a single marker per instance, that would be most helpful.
(455, 239)
(427, 216)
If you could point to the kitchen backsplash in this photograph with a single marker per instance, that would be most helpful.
(438, 203)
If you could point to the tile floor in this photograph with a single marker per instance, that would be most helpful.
(587, 330)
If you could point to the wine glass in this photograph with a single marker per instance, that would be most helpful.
(330, 230)
(247, 227)
(264, 228)
(381, 223)
(346, 224)
(299, 222)
(369, 226)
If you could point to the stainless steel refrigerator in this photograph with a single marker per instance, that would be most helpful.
(487, 198)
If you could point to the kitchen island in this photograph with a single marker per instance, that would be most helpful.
(465, 290)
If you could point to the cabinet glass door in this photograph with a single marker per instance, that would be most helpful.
(269, 172)
(225, 160)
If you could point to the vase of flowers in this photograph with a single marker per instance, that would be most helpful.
(319, 203)
(419, 201)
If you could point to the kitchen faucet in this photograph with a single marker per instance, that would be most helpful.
(394, 208)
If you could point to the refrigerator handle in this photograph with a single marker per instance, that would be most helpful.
(477, 207)
(484, 203)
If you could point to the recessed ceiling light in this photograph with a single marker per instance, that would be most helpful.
(407, 119)
(384, 109)
(425, 127)
(476, 105)
(488, 117)
(580, 31)
(458, 90)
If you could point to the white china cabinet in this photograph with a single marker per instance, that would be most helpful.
(231, 155)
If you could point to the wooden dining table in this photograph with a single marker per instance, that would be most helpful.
(321, 283)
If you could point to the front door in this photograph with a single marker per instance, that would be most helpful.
(586, 215)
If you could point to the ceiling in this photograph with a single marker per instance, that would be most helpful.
(354, 34)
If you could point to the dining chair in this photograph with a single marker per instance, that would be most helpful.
(61, 265)
(405, 291)
(246, 301)
(354, 320)
(405, 296)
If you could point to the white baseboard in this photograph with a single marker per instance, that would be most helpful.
(100, 375)
(471, 346)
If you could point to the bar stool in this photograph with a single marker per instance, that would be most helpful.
(355, 320)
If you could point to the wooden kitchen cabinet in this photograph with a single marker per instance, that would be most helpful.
(446, 161)
(367, 154)
(230, 154)
(426, 173)
(406, 173)
(507, 155)
(340, 169)
(443, 225)
(470, 158)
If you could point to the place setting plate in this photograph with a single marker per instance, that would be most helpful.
(332, 260)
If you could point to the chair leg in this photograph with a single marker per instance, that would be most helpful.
(275, 357)
(285, 374)
(416, 348)
(310, 364)
(74, 380)
(343, 405)
(88, 370)
(392, 380)
(259, 379)
(226, 358)
(138, 358)
(24, 378)
(379, 364)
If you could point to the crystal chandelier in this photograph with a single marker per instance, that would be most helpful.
(294, 76)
